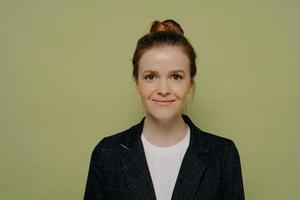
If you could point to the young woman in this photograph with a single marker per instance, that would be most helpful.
(165, 156)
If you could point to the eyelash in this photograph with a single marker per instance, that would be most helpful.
(178, 76)
(151, 76)
(148, 76)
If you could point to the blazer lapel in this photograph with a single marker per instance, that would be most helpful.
(137, 173)
(135, 167)
(193, 165)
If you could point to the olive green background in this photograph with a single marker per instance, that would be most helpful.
(65, 82)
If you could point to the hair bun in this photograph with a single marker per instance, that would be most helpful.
(167, 25)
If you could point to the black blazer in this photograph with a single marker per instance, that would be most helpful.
(210, 168)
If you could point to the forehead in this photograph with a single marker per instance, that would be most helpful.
(164, 58)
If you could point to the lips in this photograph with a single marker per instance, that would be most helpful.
(163, 102)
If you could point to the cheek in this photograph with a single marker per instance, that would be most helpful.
(182, 90)
(145, 90)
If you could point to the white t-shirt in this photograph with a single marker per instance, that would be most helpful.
(164, 164)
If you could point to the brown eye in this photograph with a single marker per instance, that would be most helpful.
(149, 77)
(176, 77)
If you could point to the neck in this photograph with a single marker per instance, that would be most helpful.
(164, 133)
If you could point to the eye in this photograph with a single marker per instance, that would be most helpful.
(149, 77)
(176, 77)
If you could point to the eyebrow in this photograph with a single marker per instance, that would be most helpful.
(173, 71)
(178, 71)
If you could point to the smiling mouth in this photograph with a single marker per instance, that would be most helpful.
(163, 102)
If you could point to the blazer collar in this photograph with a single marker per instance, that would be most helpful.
(136, 170)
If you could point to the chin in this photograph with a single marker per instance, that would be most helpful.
(164, 116)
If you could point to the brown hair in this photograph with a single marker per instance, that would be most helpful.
(163, 33)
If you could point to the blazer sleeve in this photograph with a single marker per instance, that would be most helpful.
(94, 186)
(232, 181)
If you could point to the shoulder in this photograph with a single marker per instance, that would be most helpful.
(113, 141)
(216, 141)
(109, 149)
(120, 142)
(218, 146)
(207, 140)
(222, 148)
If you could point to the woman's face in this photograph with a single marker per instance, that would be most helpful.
(164, 82)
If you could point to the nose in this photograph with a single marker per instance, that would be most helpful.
(163, 88)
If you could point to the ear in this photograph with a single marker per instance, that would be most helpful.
(137, 87)
(192, 87)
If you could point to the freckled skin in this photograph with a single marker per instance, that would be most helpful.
(164, 82)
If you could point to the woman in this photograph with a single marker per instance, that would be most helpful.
(165, 156)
